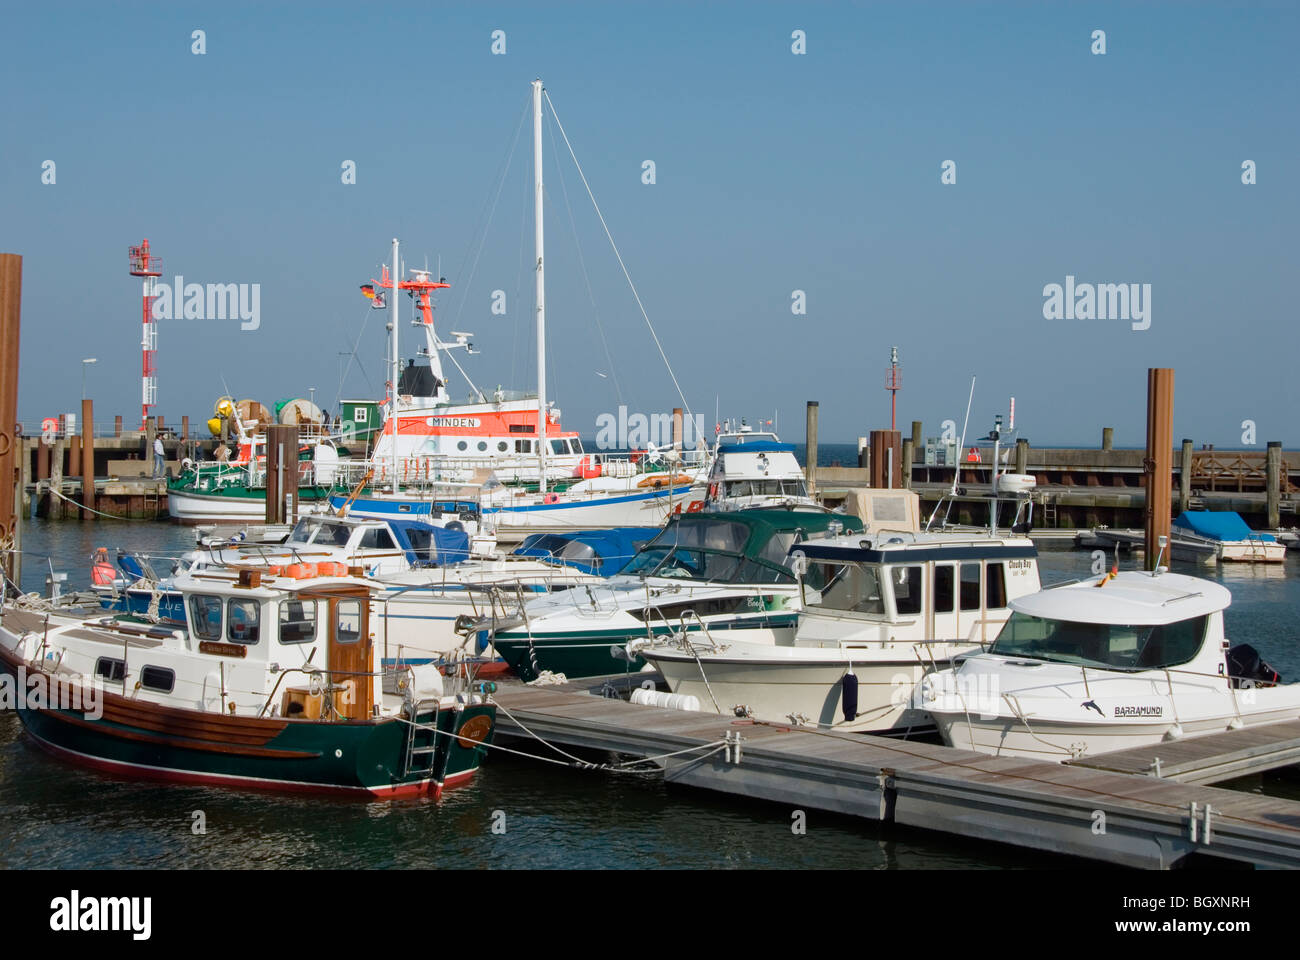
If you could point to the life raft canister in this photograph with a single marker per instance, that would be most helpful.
(586, 470)
(102, 573)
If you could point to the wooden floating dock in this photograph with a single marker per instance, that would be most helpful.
(1116, 817)
(1211, 758)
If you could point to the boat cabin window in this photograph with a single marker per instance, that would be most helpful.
(970, 586)
(943, 592)
(906, 582)
(205, 616)
(304, 531)
(158, 678)
(111, 669)
(523, 446)
(576, 443)
(851, 587)
(243, 621)
(1117, 646)
(995, 587)
(377, 538)
(348, 621)
(766, 488)
(333, 535)
(297, 621)
(557, 446)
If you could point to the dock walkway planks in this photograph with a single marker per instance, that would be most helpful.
(1138, 821)
(1209, 758)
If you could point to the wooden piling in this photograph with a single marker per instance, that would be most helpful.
(87, 459)
(11, 292)
(1185, 477)
(54, 505)
(185, 429)
(1273, 480)
(810, 447)
(908, 449)
(281, 472)
(1022, 456)
(25, 449)
(74, 455)
(117, 425)
(1108, 438)
(886, 459)
(150, 431)
(918, 442)
(1158, 463)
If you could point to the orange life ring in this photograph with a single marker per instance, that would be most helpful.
(713, 491)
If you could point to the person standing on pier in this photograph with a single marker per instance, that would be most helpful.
(159, 458)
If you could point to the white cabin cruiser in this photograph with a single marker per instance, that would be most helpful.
(755, 469)
(879, 612)
(1125, 660)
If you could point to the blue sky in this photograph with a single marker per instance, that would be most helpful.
(774, 173)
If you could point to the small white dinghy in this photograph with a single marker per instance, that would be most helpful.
(1125, 660)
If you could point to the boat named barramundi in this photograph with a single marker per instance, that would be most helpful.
(271, 683)
(1124, 660)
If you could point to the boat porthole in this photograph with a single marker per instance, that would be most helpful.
(338, 753)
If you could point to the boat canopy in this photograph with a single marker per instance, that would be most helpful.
(743, 546)
(1222, 525)
(599, 552)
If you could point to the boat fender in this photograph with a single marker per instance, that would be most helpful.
(669, 701)
(849, 695)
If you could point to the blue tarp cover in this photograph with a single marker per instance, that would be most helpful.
(614, 548)
(1219, 525)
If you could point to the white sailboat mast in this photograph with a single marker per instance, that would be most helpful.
(396, 361)
(541, 284)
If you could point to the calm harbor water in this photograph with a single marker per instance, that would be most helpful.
(61, 816)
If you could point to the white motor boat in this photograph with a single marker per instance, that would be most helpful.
(879, 612)
(1125, 660)
(755, 469)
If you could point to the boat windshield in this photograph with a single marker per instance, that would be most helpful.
(304, 531)
(713, 551)
(1112, 645)
(849, 587)
(334, 535)
(766, 488)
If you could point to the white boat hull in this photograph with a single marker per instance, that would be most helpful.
(802, 685)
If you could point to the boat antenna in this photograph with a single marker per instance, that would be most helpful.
(956, 475)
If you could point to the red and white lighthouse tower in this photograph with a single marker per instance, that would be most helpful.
(144, 264)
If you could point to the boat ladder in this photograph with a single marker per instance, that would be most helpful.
(421, 738)
(1049, 511)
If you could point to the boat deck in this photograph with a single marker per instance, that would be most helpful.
(33, 621)
(1105, 815)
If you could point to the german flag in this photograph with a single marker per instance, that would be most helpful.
(368, 291)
